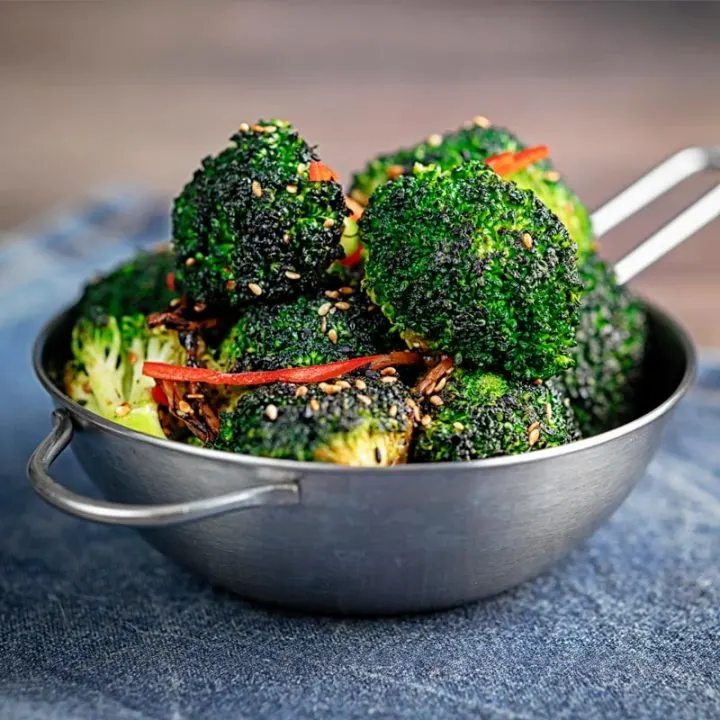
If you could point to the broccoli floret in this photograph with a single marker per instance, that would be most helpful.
(136, 286)
(464, 262)
(484, 415)
(333, 324)
(251, 226)
(358, 421)
(478, 141)
(609, 356)
(111, 341)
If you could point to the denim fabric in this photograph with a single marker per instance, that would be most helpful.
(96, 624)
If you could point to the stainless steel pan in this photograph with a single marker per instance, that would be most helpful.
(325, 538)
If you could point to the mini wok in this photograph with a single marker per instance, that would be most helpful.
(334, 539)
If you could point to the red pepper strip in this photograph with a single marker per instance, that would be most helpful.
(353, 259)
(159, 396)
(507, 163)
(170, 281)
(297, 375)
(322, 173)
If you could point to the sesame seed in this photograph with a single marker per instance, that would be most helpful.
(230, 285)
(122, 410)
(175, 302)
(436, 400)
(533, 436)
(548, 412)
(195, 396)
(534, 426)
(290, 275)
(324, 309)
(323, 325)
(388, 371)
(292, 189)
(364, 399)
(332, 336)
(258, 128)
(190, 262)
(255, 289)
(301, 168)
(257, 190)
(286, 238)
(360, 384)
(434, 140)
(332, 294)
(270, 128)
(342, 305)
(552, 175)
(344, 384)
(200, 307)
(458, 426)
(388, 379)
(329, 388)
(244, 127)
(442, 382)
(314, 405)
(481, 121)
(392, 410)
(411, 403)
(301, 391)
(328, 223)
(537, 381)
(426, 420)
(271, 412)
(395, 171)
(346, 290)
(184, 407)
(429, 390)
(527, 240)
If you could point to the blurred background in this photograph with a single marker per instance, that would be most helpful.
(94, 94)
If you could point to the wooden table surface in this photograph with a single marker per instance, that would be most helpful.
(96, 93)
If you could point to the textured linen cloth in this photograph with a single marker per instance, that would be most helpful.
(96, 624)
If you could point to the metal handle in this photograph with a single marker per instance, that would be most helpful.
(648, 188)
(111, 513)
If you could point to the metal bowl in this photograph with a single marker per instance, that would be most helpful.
(332, 539)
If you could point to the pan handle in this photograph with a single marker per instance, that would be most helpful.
(110, 513)
(642, 192)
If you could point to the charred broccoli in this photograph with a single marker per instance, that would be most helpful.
(333, 324)
(111, 341)
(464, 262)
(251, 225)
(479, 140)
(359, 421)
(481, 415)
(609, 355)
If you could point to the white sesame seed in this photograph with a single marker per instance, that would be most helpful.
(346, 290)
(292, 189)
(301, 168)
(533, 436)
(548, 411)
(190, 262)
(344, 384)
(458, 426)
(184, 407)
(286, 238)
(364, 399)
(314, 405)
(332, 294)
(255, 289)
(441, 383)
(434, 140)
(272, 412)
(388, 379)
(360, 384)
(392, 411)
(328, 223)
(481, 121)
(342, 305)
(290, 275)
(324, 309)
(552, 175)
(122, 410)
(230, 284)
(257, 190)
(244, 127)
(302, 391)
(426, 420)
(332, 336)
(527, 240)
(388, 371)
(436, 400)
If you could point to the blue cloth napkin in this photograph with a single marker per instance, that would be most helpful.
(96, 624)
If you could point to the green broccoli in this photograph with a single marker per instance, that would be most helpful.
(479, 140)
(609, 355)
(360, 421)
(333, 324)
(465, 262)
(251, 226)
(481, 415)
(111, 341)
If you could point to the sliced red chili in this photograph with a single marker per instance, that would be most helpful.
(507, 163)
(159, 396)
(170, 281)
(320, 172)
(296, 375)
(353, 259)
